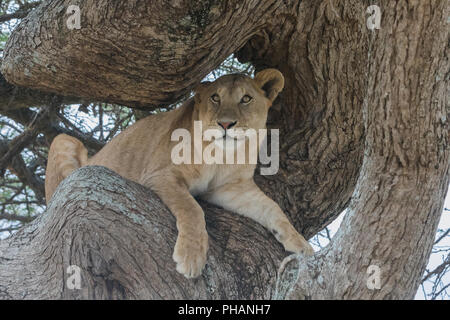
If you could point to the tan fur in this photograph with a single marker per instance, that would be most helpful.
(65, 155)
(142, 153)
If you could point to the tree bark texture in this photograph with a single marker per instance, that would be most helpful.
(137, 53)
(393, 216)
(362, 118)
(123, 243)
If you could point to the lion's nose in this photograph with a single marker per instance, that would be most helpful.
(226, 125)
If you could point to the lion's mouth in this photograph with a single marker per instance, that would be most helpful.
(230, 135)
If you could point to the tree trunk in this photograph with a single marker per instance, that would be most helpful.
(399, 197)
(362, 119)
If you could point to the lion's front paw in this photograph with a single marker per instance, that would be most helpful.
(292, 240)
(190, 254)
(298, 244)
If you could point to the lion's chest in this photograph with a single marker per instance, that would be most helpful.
(200, 185)
(215, 176)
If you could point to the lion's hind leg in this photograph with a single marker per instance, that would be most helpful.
(66, 154)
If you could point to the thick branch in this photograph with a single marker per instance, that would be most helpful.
(122, 238)
(128, 52)
(392, 220)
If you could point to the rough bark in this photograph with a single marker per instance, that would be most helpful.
(399, 197)
(123, 243)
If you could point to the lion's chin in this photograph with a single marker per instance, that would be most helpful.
(227, 142)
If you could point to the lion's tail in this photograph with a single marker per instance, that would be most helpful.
(66, 154)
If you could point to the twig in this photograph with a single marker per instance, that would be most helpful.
(15, 217)
(22, 12)
(22, 141)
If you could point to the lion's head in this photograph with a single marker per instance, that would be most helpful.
(237, 102)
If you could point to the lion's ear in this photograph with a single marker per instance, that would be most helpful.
(199, 88)
(271, 81)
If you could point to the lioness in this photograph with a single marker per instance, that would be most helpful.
(142, 153)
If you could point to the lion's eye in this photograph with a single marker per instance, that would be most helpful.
(215, 98)
(246, 99)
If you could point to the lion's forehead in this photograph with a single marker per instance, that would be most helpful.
(232, 91)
